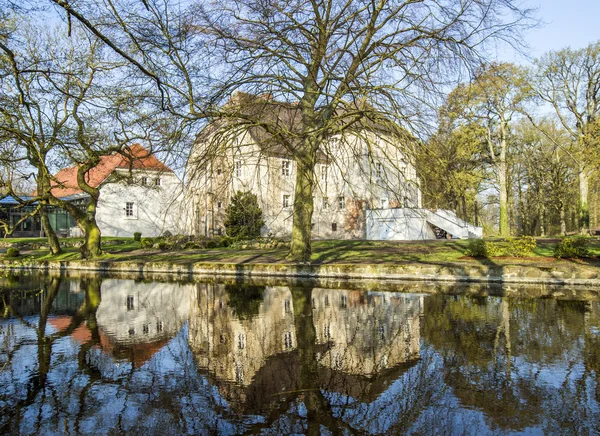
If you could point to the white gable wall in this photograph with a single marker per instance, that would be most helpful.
(156, 209)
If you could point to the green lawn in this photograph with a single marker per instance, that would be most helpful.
(324, 252)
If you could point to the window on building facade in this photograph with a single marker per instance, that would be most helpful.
(341, 203)
(286, 200)
(287, 306)
(287, 340)
(239, 373)
(146, 329)
(159, 326)
(238, 168)
(219, 204)
(285, 168)
(219, 171)
(325, 203)
(241, 341)
(384, 203)
(131, 331)
(144, 180)
(157, 181)
(324, 173)
(344, 301)
(334, 227)
(129, 209)
(379, 170)
(130, 302)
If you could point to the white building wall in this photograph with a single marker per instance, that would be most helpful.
(370, 168)
(398, 225)
(156, 209)
(416, 224)
(133, 312)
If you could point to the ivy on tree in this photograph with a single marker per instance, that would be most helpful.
(244, 216)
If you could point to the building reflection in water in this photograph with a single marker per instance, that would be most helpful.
(119, 356)
(363, 341)
(134, 319)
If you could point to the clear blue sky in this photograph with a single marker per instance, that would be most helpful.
(566, 23)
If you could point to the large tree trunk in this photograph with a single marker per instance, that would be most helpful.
(91, 246)
(503, 187)
(300, 249)
(503, 183)
(86, 221)
(563, 220)
(53, 242)
(43, 186)
(542, 219)
(584, 210)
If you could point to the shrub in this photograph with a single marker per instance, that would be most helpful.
(212, 243)
(520, 247)
(244, 216)
(137, 236)
(226, 241)
(572, 247)
(146, 243)
(12, 252)
(191, 245)
(163, 245)
(478, 248)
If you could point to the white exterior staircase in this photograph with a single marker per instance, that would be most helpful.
(416, 224)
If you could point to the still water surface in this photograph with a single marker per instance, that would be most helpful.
(108, 356)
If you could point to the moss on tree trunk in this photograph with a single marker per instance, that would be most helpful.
(53, 241)
(300, 248)
(583, 205)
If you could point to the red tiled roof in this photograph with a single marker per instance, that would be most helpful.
(138, 353)
(136, 157)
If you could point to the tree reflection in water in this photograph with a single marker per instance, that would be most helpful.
(118, 356)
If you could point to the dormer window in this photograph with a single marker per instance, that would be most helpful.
(285, 168)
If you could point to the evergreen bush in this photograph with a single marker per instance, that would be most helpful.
(137, 236)
(244, 216)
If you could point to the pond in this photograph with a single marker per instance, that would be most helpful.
(94, 355)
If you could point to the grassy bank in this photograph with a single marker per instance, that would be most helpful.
(324, 252)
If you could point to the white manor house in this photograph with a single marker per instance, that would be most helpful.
(366, 186)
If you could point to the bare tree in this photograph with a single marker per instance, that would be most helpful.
(67, 102)
(340, 62)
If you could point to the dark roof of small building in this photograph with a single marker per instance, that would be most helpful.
(9, 200)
